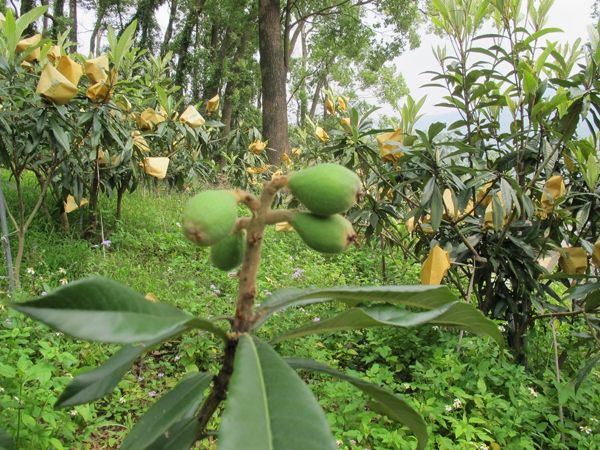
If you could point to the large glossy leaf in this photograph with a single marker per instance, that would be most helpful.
(6, 442)
(100, 381)
(171, 419)
(180, 436)
(103, 310)
(455, 314)
(268, 406)
(426, 297)
(381, 400)
(96, 383)
(367, 317)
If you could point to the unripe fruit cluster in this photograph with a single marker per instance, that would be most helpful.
(326, 190)
(209, 220)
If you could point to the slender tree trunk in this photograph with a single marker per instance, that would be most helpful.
(316, 97)
(302, 91)
(273, 79)
(227, 112)
(96, 32)
(169, 30)
(73, 17)
(58, 11)
(10, 274)
(45, 18)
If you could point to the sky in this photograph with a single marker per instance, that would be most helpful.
(572, 16)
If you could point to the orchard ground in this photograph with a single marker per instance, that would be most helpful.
(469, 392)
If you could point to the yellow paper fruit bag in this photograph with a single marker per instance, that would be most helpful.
(322, 134)
(257, 147)
(553, 189)
(389, 145)
(450, 209)
(156, 166)
(191, 117)
(573, 260)
(25, 44)
(70, 69)
(596, 254)
(149, 118)
(139, 142)
(96, 69)
(54, 86)
(71, 205)
(342, 104)
(346, 123)
(213, 104)
(99, 92)
(329, 106)
(435, 266)
(54, 54)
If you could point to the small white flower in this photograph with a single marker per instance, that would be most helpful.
(177, 224)
(63, 281)
(30, 271)
(177, 358)
(1, 389)
(449, 408)
(585, 429)
(58, 334)
(122, 400)
(44, 293)
(533, 392)
(483, 447)
(457, 403)
(62, 271)
(73, 412)
(316, 319)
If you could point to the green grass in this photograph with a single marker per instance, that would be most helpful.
(470, 399)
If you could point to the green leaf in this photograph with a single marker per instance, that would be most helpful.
(268, 406)
(381, 400)
(181, 436)
(123, 44)
(456, 314)
(61, 137)
(103, 310)
(437, 208)
(592, 301)
(357, 318)
(420, 296)
(6, 441)
(96, 383)
(585, 371)
(171, 413)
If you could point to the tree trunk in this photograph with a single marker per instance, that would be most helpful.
(303, 110)
(316, 97)
(169, 30)
(58, 11)
(186, 40)
(28, 5)
(10, 274)
(274, 99)
(96, 32)
(73, 17)
(227, 113)
(45, 18)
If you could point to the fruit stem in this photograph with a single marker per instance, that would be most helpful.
(249, 270)
(255, 226)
